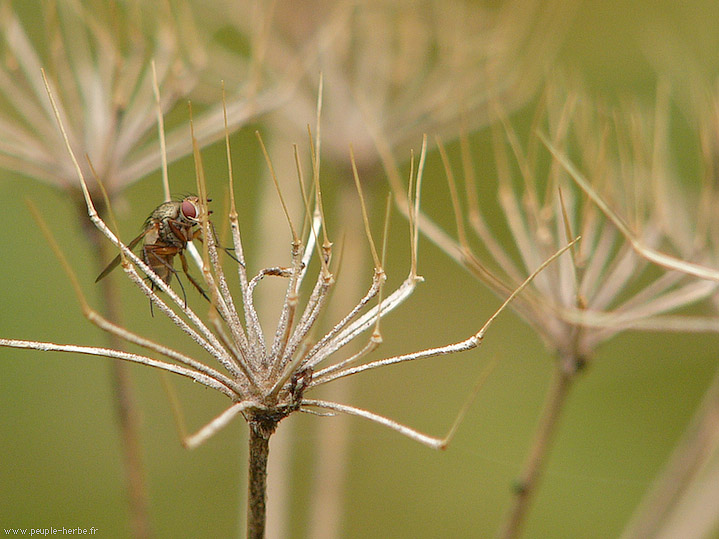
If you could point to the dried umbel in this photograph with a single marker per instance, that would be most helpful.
(266, 381)
(398, 69)
(105, 62)
(609, 284)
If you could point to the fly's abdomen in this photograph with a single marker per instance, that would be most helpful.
(161, 263)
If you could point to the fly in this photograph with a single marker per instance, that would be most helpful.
(165, 234)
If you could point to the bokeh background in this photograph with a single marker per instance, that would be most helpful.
(59, 459)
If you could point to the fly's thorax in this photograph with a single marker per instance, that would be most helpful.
(166, 210)
(173, 222)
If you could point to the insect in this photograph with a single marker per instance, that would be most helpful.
(165, 234)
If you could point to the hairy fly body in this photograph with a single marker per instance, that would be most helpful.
(166, 233)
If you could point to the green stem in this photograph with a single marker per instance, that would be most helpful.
(539, 452)
(257, 482)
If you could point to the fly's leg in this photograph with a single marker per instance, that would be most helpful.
(197, 235)
(190, 278)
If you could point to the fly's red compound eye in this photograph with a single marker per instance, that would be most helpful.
(189, 210)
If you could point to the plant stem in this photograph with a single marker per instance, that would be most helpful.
(257, 481)
(129, 430)
(124, 399)
(564, 375)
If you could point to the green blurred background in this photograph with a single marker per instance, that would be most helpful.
(59, 456)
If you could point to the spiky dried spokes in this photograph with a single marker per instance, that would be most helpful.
(606, 286)
(102, 60)
(267, 383)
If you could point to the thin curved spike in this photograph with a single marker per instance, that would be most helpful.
(424, 439)
(525, 283)
(468, 172)
(376, 334)
(161, 134)
(303, 190)
(307, 222)
(452, 184)
(85, 191)
(231, 185)
(418, 190)
(271, 168)
(318, 196)
(118, 354)
(573, 251)
(191, 442)
(363, 207)
(411, 217)
(318, 138)
(315, 222)
(121, 256)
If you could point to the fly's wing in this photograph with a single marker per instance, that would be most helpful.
(115, 261)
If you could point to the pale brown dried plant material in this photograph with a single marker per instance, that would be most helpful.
(105, 62)
(392, 71)
(268, 378)
(98, 58)
(608, 285)
(399, 69)
(681, 502)
(616, 150)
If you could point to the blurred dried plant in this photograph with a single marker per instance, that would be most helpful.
(607, 286)
(98, 60)
(396, 70)
(681, 502)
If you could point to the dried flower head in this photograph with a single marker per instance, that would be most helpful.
(609, 284)
(606, 287)
(104, 62)
(396, 70)
(266, 381)
(689, 227)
